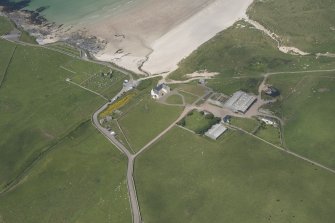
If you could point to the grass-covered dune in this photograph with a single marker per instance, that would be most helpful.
(188, 178)
(244, 53)
(306, 24)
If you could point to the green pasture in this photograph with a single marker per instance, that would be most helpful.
(188, 178)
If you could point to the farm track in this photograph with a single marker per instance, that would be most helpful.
(8, 64)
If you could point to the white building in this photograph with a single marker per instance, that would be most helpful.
(160, 90)
(240, 102)
(216, 131)
(268, 122)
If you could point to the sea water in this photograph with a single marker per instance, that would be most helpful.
(79, 11)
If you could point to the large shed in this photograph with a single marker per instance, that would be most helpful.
(216, 131)
(240, 102)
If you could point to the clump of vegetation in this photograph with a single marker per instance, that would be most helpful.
(199, 122)
(118, 104)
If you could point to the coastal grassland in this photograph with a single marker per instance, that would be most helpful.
(65, 48)
(145, 120)
(231, 85)
(270, 134)
(26, 37)
(81, 180)
(305, 24)
(189, 98)
(247, 124)
(243, 52)
(5, 25)
(188, 178)
(38, 107)
(307, 108)
(191, 88)
(174, 99)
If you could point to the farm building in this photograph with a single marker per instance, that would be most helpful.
(160, 90)
(216, 131)
(240, 102)
(271, 91)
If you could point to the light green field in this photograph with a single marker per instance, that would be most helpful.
(25, 37)
(313, 29)
(65, 48)
(187, 178)
(189, 98)
(81, 180)
(174, 99)
(248, 124)
(191, 88)
(146, 120)
(270, 134)
(307, 109)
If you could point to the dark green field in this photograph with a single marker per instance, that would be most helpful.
(189, 178)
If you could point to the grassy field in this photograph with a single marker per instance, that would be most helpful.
(25, 37)
(248, 124)
(270, 134)
(313, 29)
(189, 98)
(307, 108)
(146, 120)
(38, 107)
(174, 99)
(187, 178)
(191, 88)
(81, 180)
(65, 48)
(198, 122)
(5, 26)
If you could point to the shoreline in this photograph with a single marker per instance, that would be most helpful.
(147, 47)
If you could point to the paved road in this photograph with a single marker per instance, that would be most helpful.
(136, 215)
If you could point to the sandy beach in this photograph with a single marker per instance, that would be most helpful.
(186, 37)
(161, 40)
(147, 36)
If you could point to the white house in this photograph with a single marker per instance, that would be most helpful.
(160, 90)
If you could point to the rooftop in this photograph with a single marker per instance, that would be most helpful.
(216, 131)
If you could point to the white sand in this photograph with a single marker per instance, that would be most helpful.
(185, 38)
